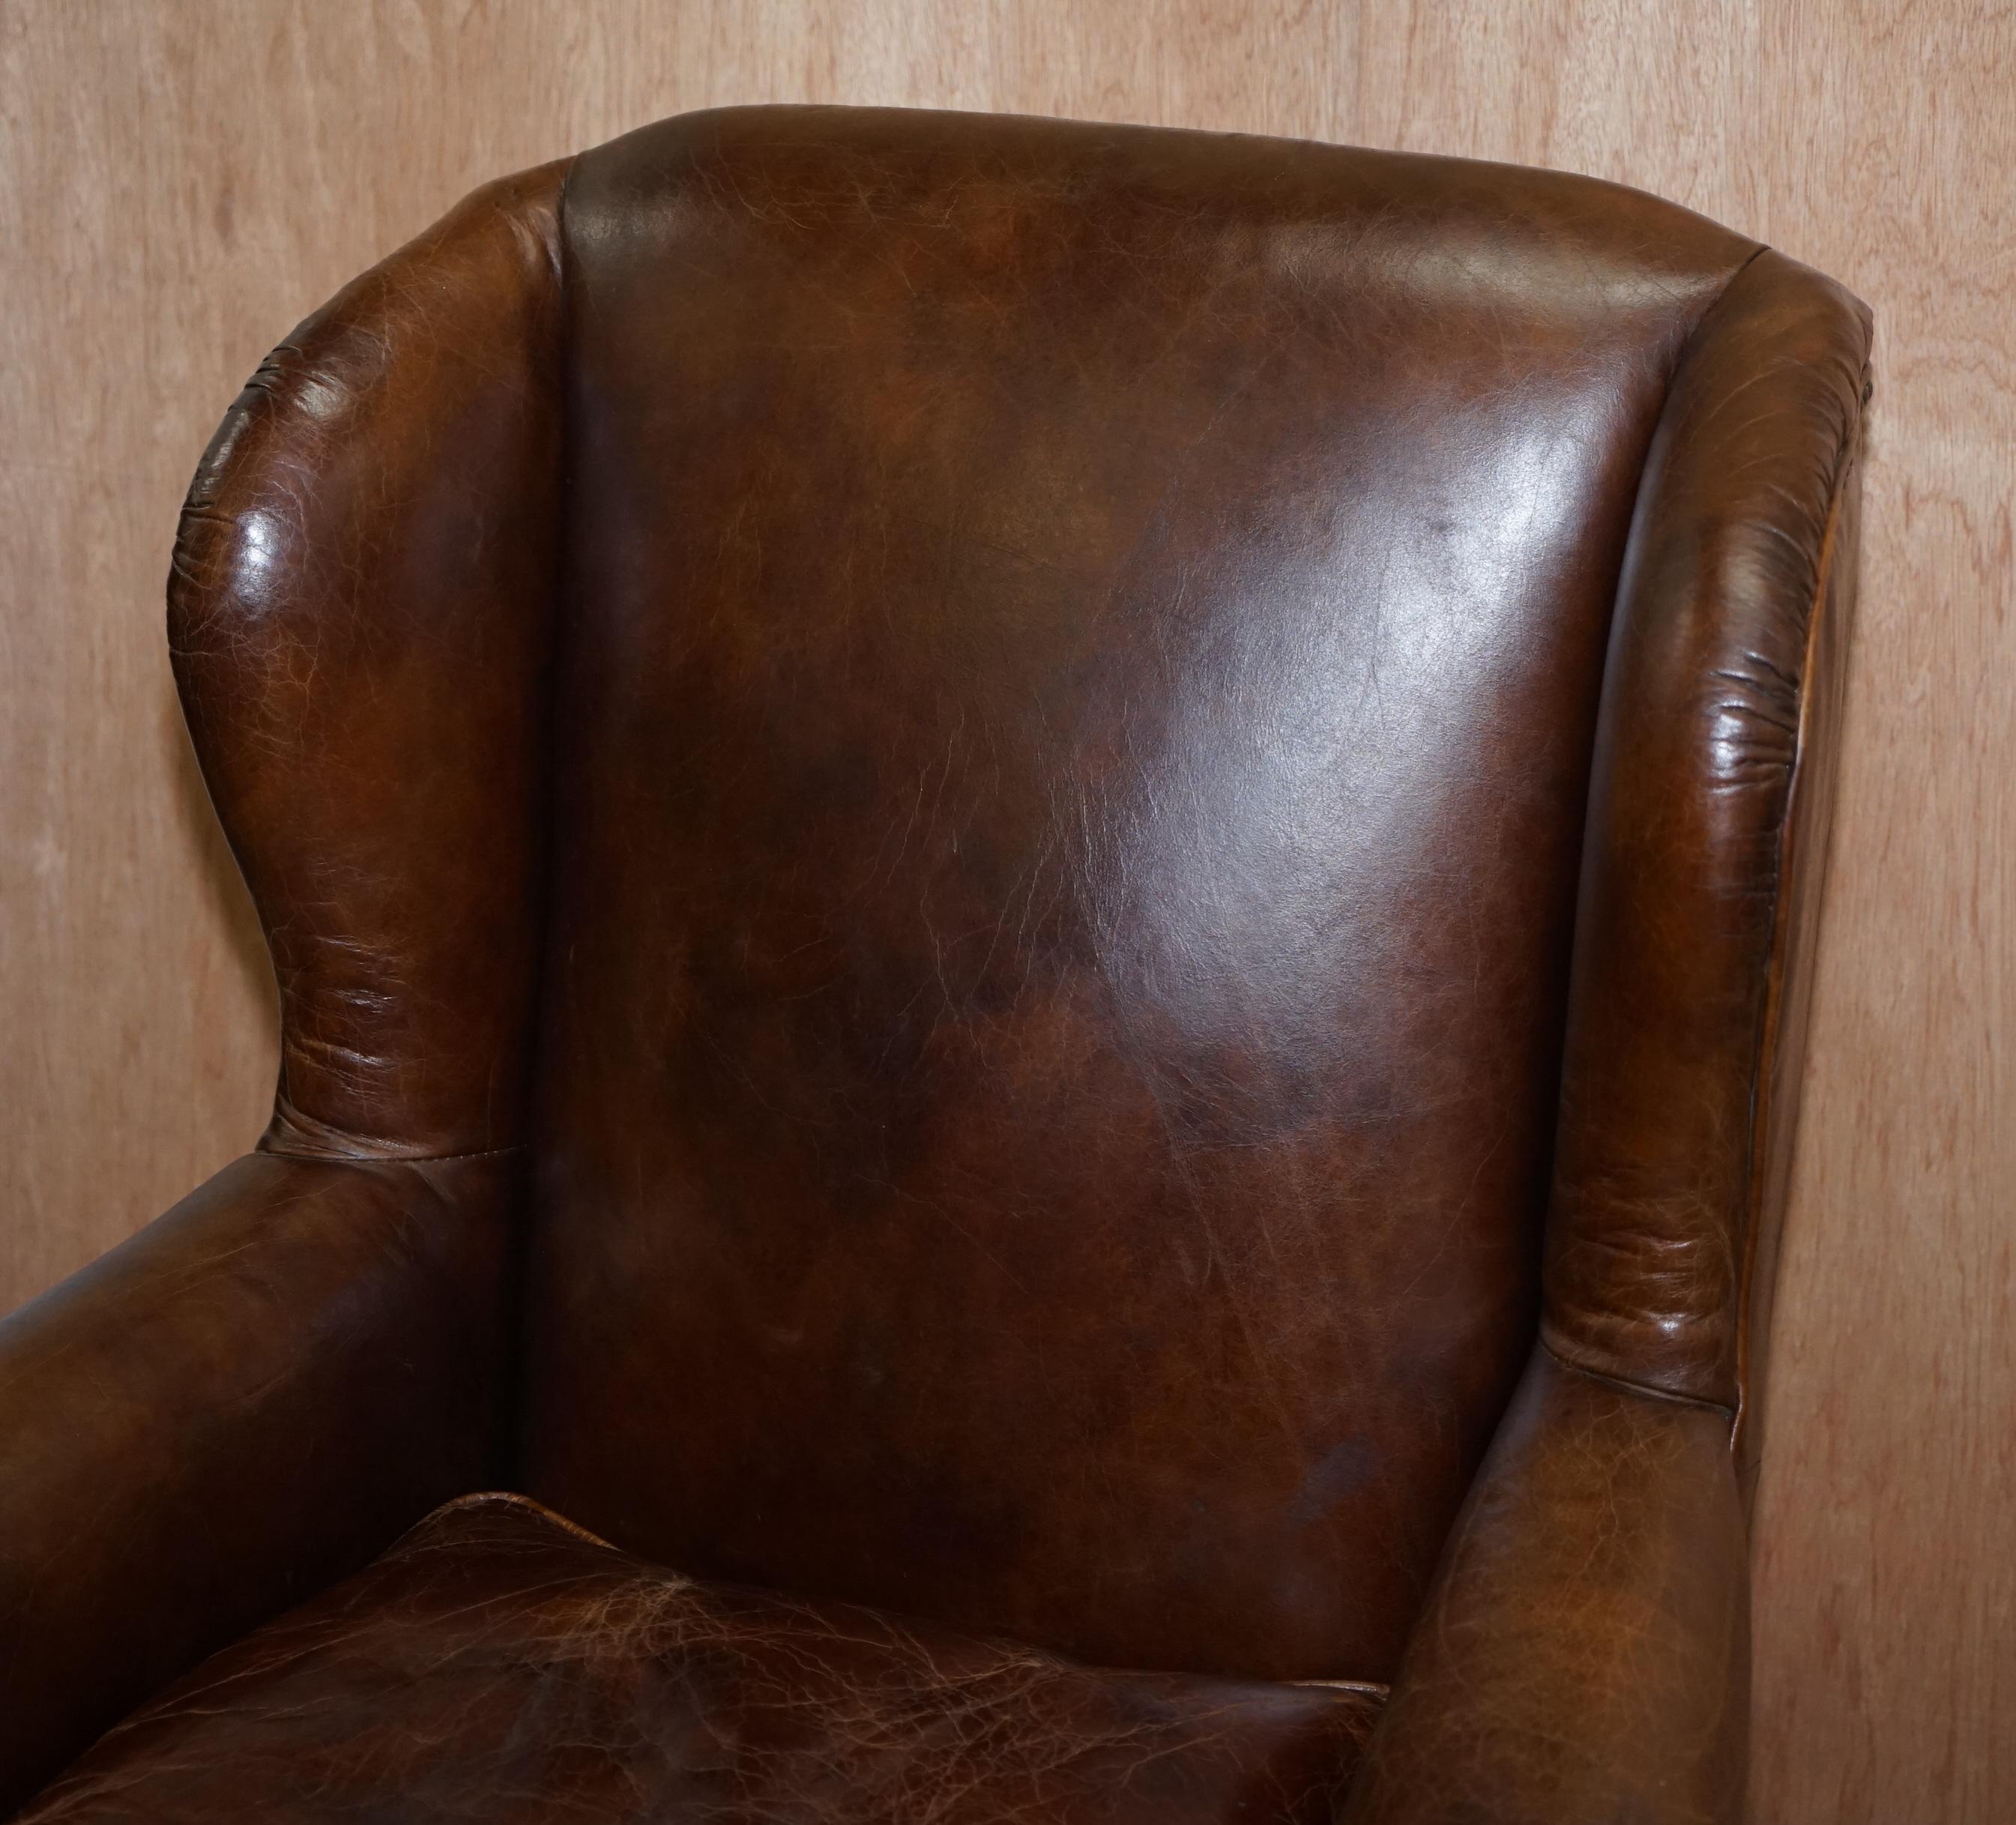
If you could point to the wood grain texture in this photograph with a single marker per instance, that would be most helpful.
(182, 182)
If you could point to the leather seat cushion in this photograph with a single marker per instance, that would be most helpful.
(498, 1663)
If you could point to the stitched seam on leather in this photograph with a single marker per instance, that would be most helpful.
(555, 260)
(1694, 332)
(553, 1518)
(532, 1506)
(362, 1159)
(546, 890)
(1625, 1386)
(1784, 859)
(1681, 358)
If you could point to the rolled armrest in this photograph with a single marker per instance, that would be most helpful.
(243, 1403)
(1584, 1655)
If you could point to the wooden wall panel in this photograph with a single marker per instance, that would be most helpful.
(180, 182)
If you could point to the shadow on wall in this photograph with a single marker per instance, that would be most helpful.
(224, 888)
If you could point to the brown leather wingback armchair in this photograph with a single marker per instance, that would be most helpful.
(1041, 895)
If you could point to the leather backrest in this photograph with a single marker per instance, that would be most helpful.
(1080, 654)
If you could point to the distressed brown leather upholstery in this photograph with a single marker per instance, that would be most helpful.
(671, 1699)
(1042, 896)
